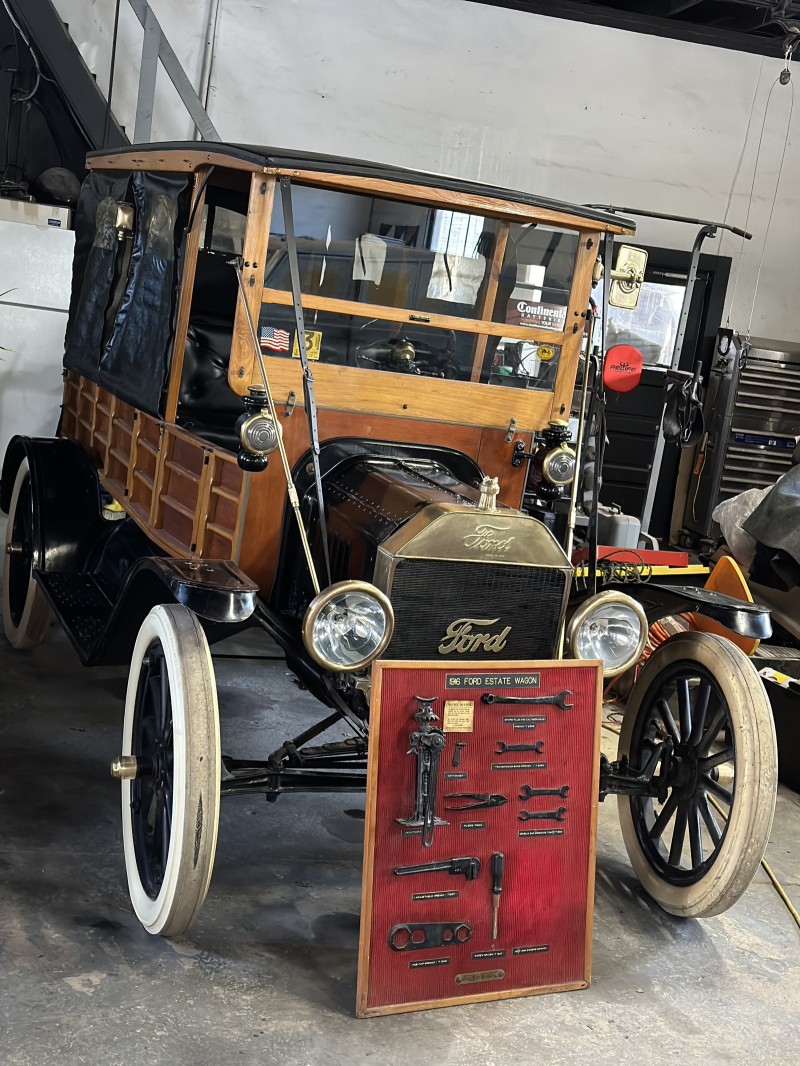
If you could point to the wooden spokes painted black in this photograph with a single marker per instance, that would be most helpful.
(682, 835)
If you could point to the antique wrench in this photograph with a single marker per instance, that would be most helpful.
(526, 792)
(555, 816)
(502, 747)
(558, 700)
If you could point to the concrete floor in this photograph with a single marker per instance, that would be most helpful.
(267, 974)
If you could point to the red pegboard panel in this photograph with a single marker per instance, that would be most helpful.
(544, 929)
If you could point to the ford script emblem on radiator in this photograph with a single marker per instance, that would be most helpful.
(486, 539)
(462, 637)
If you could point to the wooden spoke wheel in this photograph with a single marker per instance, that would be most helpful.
(26, 612)
(697, 847)
(170, 800)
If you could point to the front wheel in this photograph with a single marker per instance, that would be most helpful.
(26, 612)
(697, 847)
(171, 787)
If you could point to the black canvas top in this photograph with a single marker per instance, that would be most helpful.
(263, 156)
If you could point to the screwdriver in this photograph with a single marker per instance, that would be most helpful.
(497, 888)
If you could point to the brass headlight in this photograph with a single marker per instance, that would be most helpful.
(611, 627)
(348, 625)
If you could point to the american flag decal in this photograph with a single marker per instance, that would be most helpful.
(276, 340)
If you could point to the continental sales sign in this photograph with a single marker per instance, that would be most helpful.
(537, 315)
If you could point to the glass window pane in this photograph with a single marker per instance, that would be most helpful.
(536, 277)
(372, 250)
(398, 347)
(652, 325)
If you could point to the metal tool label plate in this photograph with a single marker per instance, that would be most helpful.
(411, 833)
(435, 895)
(473, 825)
(479, 975)
(489, 954)
(514, 681)
(455, 777)
(540, 833)
(535, 950)
(427, 962)
(519, 765)
(527, 720)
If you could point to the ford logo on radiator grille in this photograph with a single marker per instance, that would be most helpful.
(462, 636)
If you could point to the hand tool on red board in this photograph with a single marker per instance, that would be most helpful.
(457, 752)
(480, 799)
(497, 887)
(526, 792)
(467, 865)
(426, 743)
(408, 937)
(502, 747)
(545, 816)
(557, 700)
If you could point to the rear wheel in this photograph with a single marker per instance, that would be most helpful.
(170, 794)
(26, 612)
(697, 847)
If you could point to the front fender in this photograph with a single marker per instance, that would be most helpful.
(746, 619)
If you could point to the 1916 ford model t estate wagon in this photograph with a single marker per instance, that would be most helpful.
(394, 342)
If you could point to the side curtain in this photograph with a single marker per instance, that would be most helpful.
(124, 292)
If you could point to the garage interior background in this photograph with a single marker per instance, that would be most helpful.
(579, 112)
(511, 97)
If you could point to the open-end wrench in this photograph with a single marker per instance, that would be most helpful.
(544, 816)
(526, 792)
(558, 700)
(502, 747)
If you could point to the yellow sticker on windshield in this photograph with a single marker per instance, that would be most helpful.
(313, 344)
(545, 352)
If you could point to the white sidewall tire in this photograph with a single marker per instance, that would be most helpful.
(196, 771)
(756, 762)
(36, 616)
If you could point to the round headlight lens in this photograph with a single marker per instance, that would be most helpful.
(610, 627)
(559, 466)
(348, 625)
(258, 433)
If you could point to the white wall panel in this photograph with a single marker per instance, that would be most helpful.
(35, 280)
(573, 111)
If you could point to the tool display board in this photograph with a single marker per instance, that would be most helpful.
(427, 937)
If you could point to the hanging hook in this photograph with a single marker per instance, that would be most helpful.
(789, 45)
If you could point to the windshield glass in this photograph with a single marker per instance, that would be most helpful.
(447, 293)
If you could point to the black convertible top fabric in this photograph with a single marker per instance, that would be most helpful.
(120, 327)
(264, 156)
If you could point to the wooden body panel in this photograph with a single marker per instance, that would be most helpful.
(194, 501)
(189, 497)
(371, 392)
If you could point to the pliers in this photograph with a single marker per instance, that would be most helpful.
(480, 799)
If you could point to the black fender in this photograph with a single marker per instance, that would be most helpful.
(218, 592)
(658, 600)
(66, 494)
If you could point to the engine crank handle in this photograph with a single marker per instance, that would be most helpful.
(557, 700)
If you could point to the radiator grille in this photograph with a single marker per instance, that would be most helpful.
(429, 594)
